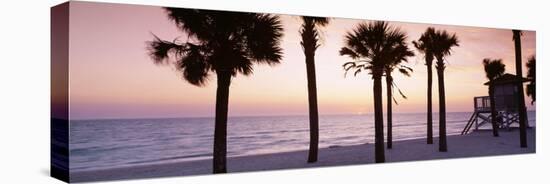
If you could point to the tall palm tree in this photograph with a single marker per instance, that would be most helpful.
(425, 45)
(443, 42)
(310, 43)
(401, 53)
(224, 43)
(372, 45)
(493, 69)
(521, 100)
(531, 75)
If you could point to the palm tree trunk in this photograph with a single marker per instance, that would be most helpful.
(442, 108)
(389, 82)
(309, 44)
(220, 131)
(521, 99)
(493, 110)
(378, 118)
(313, 112)
(429, 110)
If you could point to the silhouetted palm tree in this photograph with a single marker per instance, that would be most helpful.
(310, 43)
(372, 46)
(531, 75)
(401, 53)
(443, 42)
(521, 100)
(425, 45)
(225, 43)
(493, 69)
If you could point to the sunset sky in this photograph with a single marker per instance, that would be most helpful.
(111, 75)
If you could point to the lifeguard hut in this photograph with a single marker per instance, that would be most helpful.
(506, 104)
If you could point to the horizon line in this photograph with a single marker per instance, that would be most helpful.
(259, 115)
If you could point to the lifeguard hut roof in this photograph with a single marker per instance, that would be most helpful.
(506, 79)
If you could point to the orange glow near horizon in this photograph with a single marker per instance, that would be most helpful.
(111, 75)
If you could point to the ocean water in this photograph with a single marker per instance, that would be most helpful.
(108, 143)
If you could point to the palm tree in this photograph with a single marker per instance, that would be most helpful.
(225, 43)
(372, 46)
(521, 100)
(310, 38)
(531, 75)
(425, 45)
(493, 69)
(443, 42)
(401, 53)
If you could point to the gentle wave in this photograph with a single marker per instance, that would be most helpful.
(124, 142)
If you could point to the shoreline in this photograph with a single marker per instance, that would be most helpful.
(475, 144)
(237, 156)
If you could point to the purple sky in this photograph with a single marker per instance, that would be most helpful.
(111, 75)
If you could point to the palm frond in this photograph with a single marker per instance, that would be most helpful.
(309, 35)
(160, 50)
(494, 68)
(263, 37)
(357, 72)
(349, 65)
(242, 65)
(357, 65)
(443, 43)
(193, 22)
(404, 72)
(345, 51)
(378, 43)
(393, 87)
(394, 100)
(516, 34)
(406, 68)
(194, 65)
(531, 67)
(425, 44)
(356, 42)
(399, 90)
(256, 36)
(318, 21)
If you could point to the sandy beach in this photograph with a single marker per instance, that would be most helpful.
(475, 144)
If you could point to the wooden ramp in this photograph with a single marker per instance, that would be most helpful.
(469, 124)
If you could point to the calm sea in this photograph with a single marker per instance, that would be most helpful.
(97, 144)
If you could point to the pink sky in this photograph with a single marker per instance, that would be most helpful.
(111, 75)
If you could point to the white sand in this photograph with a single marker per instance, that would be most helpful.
(480, 143)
